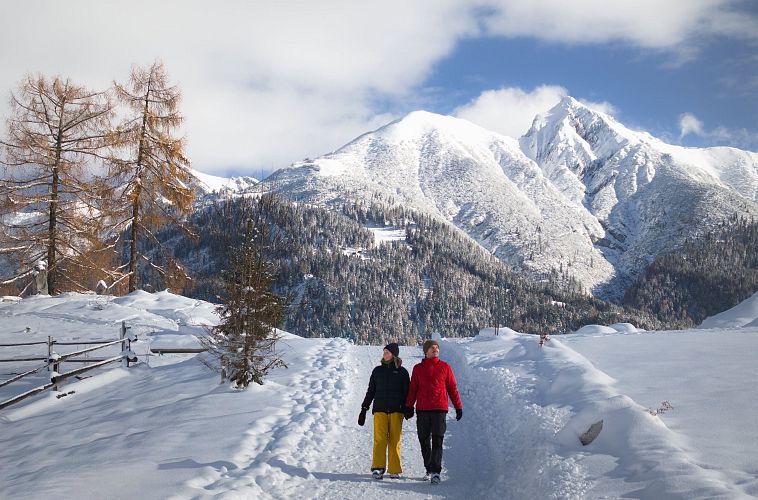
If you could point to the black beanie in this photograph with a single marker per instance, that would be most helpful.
(393, 348)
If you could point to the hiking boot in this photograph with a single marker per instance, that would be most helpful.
(426, 476)
(436, 478)
(377, 474)
(394, 476)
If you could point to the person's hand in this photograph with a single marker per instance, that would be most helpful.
(362, 417)
(458, 413)
(408, 412)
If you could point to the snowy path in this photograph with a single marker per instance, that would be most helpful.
(317, 450)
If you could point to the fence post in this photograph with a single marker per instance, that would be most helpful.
(223, 369)
(56, 368)
(49, 350)
(124, 361)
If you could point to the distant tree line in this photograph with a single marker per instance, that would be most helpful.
(704, 277)
(341, 283)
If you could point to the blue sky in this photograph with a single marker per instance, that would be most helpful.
(268, 83)
(649, 89)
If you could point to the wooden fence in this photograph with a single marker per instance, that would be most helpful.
(53, 361)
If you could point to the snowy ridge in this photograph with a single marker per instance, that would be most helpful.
(170, 430)
(207, 184)
(648, 195)
(579, 192)
(475, 179)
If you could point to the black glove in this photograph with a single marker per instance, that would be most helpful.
(458, 413)
(362, 417)
(408, 412)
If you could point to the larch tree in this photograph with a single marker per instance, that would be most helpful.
(155, 172)
(54, 208)
(245, 340)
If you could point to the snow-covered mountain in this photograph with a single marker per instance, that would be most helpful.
(579, 192)
(206, 184)
(648, 195)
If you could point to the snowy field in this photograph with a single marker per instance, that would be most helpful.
(166, 428)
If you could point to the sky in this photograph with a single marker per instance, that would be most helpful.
(265, 84)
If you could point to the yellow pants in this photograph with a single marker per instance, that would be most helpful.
(388, 428)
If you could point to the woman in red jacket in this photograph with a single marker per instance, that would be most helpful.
(431, 384)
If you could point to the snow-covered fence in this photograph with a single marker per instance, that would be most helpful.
(54, 361)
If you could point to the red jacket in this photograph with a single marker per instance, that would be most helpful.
(431, 383)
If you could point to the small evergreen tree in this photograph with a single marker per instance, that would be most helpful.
(245, 340)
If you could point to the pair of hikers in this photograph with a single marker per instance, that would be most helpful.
(394, 396)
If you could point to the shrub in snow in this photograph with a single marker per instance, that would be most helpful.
(665, 406)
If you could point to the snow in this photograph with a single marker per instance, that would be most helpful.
(166, 427)
(596, 330)
(211, 183)
(477, 180)
(387, 234)
(743, 314)
(606, 199)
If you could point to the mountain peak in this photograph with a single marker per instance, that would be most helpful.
(418, 124)
(568, 102)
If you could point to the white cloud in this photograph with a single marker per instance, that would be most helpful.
(264, 83)
(511, 110)
(742, 138)
(646, 23)
(689, 124)
(267, 83)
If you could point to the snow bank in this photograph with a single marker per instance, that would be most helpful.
(743, 314)
(596, 330)
(503, 331)
(625, 328)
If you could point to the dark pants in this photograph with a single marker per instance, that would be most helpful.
(431, 428)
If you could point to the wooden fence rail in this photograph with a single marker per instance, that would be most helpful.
(21, 397)
(23, 343)
(54, 361)
(22, 375)
(177, 350)
(13, 360)
(57, 379)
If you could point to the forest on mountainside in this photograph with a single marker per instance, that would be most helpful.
(341, 283)
(704, 277)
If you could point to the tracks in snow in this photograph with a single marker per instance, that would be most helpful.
(312, 446)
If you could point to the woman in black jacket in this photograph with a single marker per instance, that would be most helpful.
(387, 388)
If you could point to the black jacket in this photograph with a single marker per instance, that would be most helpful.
(387, 388)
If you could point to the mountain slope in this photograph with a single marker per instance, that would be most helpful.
(346, 281)
(477, 180)
(649, 196)
(579, 192)
(206, 184)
